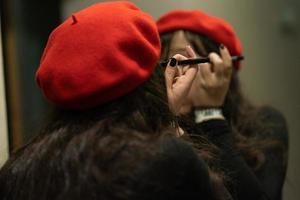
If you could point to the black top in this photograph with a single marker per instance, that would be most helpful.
(174, 171)
(177, 172)
(267, 182)
(133, 168)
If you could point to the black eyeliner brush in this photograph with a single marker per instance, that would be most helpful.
(194, 61)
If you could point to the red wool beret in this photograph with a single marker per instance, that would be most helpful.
(97, 55)
(199, 22)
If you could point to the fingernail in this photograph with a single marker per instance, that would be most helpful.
(173, 62)
(222, 46)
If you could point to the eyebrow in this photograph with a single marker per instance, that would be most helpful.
(177, 50)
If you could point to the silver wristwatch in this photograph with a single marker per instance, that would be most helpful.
(205, 114)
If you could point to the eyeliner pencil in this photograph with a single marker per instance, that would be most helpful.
(194, 61)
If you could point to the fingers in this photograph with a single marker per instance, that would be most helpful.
(205, 71)
(217, 62)
(190, 71)
(190, 52)
(226, 57)
(190, 75)
(222, 65)
(176, 73)
(178, 84)
(172, 70)
(179, 70)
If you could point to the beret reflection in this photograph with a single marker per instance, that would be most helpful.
(97, 55)
(199, 22)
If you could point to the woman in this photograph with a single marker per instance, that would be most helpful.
(110, 136)
(259, 133)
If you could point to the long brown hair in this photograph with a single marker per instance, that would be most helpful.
(64, 160)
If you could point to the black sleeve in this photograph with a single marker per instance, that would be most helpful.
(243, 183)
(273, 171)
(180, 171)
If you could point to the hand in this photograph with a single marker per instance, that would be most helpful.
(211, 84)
(178, 83)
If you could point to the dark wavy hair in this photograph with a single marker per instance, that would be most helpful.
(95, 153)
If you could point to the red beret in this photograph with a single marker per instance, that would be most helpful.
(97, 55)
(199, 22)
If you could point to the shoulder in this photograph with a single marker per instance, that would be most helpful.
(271, 117)
(268, 113)
(177, 149)
(185, 167)
(273, 122)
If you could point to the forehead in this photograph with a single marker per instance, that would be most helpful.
(178, 43)
(179, 40)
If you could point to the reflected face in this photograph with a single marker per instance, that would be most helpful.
(178, 43)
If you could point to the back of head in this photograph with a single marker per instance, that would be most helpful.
(97, 55)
